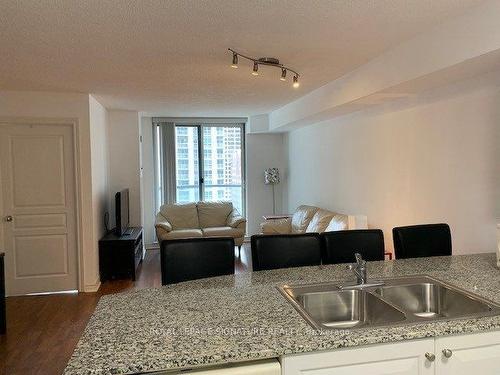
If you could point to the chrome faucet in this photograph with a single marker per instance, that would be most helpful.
(359, 269)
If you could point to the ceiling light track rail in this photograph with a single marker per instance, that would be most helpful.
(267, 61)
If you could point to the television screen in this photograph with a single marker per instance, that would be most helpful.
(121, 212)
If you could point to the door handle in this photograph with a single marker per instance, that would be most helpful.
(8, 218)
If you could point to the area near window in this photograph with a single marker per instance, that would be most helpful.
(209, 162)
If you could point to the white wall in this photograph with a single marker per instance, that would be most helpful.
(147, 181)
(264, 151)
(436, 52)
(436, 159)
(73, 107)
(99, 144)
(258, 124)
(124, 161)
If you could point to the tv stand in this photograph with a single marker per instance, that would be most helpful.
(119, 256)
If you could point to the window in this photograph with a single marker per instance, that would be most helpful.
(182, 164)
(183, 195)
(186, 153)
(214, 152)
(207, 140)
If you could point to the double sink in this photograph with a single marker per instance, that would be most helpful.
(396, 301)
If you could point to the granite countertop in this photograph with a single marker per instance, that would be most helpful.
(244, 317)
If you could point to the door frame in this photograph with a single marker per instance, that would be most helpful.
(74, 124)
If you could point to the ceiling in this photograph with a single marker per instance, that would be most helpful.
(170, 57)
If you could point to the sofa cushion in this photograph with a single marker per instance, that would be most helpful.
(181, 215)
(214, 214)
(338, 222)
(223, 232)
(320, 221)
(301, 218)
(183, 233)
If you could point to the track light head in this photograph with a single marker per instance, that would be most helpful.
(296, 83)
(255, 71)
(283, 74)
(235, 60)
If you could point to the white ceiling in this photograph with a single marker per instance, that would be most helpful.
(170, 57)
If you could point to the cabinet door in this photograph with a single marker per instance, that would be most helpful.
(469, 354)
(405, 358)
(265, 367)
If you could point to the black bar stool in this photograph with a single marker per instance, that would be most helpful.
(285, 250)
(196, 258)
(424, 240)
(340, 246)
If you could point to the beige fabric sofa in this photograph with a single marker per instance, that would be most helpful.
(311, 219)
(201, 219)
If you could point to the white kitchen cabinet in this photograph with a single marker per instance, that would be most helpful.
(453, 355)
(403, 358)
(477, 353)
(266, 367)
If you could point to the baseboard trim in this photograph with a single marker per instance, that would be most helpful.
(92, 288)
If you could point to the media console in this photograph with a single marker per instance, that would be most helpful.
(119, 256)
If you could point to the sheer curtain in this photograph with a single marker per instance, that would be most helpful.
(165, 173)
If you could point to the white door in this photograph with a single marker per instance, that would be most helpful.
(38, 203)
(405, 358)
(468, 354)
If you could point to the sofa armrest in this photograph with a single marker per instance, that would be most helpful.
(162, 223)
(235, 220)
(278, 226)
(242, 226)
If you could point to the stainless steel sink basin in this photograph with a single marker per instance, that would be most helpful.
(402, 300)
(348, 309)
(432, 300)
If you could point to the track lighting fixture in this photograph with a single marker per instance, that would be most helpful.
(255, 69)
(235, 60)
(269, 61)
(283, 74)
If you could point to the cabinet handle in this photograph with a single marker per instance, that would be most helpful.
(447, 353)
(8, 218)
(430, 357)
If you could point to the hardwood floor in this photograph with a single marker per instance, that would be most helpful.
(42, 331)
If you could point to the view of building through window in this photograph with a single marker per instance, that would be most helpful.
(221, 164)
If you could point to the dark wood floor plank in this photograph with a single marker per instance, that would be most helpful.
(42, 331)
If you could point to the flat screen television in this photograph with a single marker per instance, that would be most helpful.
(122, 213)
